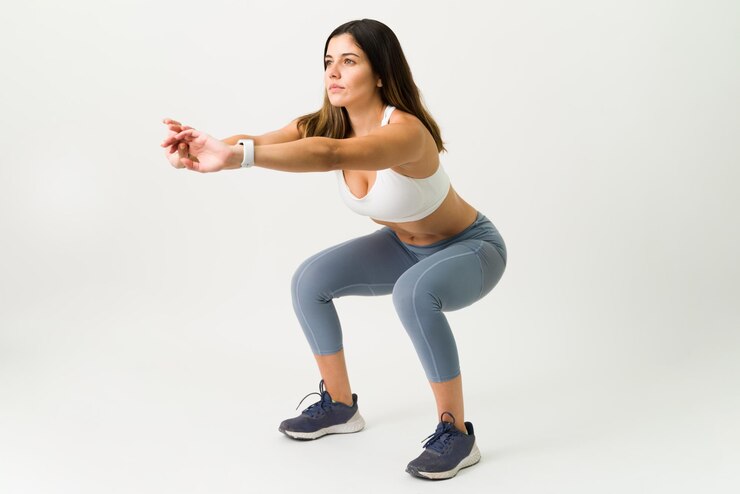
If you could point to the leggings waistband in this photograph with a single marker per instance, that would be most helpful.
(482, 228)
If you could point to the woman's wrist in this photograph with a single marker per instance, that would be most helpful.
(235, 157)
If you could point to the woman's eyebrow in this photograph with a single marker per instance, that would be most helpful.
(343, 55)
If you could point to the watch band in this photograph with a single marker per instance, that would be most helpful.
(248, 159)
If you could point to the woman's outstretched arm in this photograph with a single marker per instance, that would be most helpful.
(384, 147)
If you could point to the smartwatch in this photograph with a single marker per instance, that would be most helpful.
(248, 159)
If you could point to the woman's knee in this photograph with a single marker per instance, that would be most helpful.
(411, 296)
(307, 280)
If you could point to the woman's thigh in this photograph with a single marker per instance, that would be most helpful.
(452, 278)
(367, 265)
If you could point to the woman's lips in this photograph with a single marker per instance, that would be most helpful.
(336, 88)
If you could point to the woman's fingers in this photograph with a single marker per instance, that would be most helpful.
(175, 145)
(174, 141)
(187, 134)
(178, 140)
(177, 137)
(173, 126)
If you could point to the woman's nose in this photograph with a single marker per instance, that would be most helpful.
(332, 72)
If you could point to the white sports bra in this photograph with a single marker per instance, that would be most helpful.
(395, 197)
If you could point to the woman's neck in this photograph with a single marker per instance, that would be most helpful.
(364, 119)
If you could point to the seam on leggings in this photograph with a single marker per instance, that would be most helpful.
(369, 285)
(482, 273)
(330, 352)
(451, 376)
(298, 281)
(416, 314)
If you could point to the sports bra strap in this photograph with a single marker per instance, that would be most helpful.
(387, 114)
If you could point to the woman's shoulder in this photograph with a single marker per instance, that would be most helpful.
(400, 116)
(427, 165)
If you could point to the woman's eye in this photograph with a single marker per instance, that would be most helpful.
(328, 62)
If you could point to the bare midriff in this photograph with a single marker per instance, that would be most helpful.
(450, 218)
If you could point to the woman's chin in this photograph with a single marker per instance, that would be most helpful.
(336, 100)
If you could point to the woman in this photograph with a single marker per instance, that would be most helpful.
(434, 253)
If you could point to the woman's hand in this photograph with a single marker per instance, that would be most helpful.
(177, 151)
(210, 154)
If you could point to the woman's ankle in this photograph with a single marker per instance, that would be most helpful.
(343, 399)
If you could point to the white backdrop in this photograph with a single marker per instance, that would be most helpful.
(147, 337)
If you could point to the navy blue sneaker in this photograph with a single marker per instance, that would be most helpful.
(448, 451)
(326, 416)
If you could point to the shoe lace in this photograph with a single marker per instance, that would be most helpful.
(320, 406)
(441, 437)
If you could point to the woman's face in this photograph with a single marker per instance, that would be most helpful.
(348, 67)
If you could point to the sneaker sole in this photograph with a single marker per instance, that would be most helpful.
(355, 424)
(470, 460)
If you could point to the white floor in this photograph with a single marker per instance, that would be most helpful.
(134, 409)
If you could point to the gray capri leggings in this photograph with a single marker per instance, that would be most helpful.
(425, 281)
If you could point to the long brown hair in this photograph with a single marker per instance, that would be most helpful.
(389, 63)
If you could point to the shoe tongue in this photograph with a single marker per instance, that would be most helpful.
(326, 397)
(444, 426)
(443, 431)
